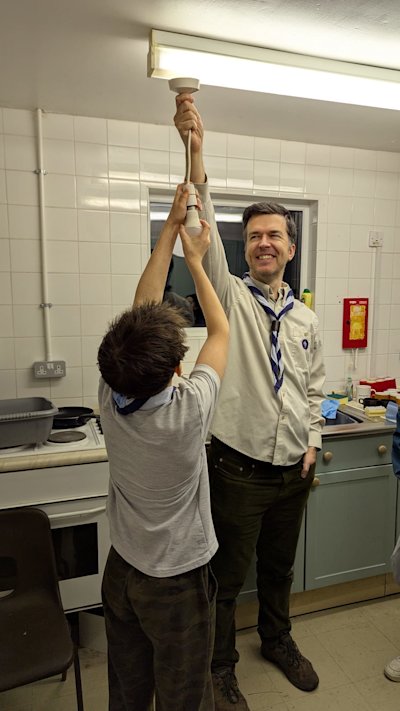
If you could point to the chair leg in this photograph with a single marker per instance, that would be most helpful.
(78, 681)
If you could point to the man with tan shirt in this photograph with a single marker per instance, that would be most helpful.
(265, 432)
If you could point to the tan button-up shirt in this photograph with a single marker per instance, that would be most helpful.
(250, 417)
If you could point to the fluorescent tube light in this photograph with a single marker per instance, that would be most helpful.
(237, 66)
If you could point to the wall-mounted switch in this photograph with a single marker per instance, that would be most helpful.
(375, 239)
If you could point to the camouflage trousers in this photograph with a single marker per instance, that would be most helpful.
(160, 634)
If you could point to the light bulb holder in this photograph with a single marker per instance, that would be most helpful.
(184, 85)
(193, 225)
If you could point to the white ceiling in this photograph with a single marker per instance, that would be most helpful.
(89, 57)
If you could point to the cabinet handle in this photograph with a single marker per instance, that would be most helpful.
(382, 449)
(315, 482)
(327, 456)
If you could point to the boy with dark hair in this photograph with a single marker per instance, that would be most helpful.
(158, 589)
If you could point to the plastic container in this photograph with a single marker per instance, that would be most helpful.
(26, 420)
(307, 298)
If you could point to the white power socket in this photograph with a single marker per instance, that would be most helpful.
(49, 369)
(375, 239)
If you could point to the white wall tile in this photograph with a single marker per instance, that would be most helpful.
(58, 126)
(95, 289)
(364, 183)
(240, 173)
(293, 152)
(29, 386)
(65, 320)
(28, 320)
(68, 349)
(92, 130)
(123, 162)
(386, 185)
(316, 179)
(337, 265)
(91, 159)
(64, 289)
(92, 193)
(62, 256)
(8, 384)
(1, 121)
(339, 210)
(22, 188)
(332, 343)
(60, 190)
(176, 143)
(123, 133)
(338, 238)
(123, 288)
(385, 212)
(333, 315)
(240, 146)
(154, 137)
(360, 265)
(292, 178)
(342, 157)
(7, 353)
(93, 226)
(388, 161)
(215, 144)
(5, 288)
(266, 175)
(2, 156)
(5, 260)
(26, 288)
(6, 321)
(177, 168)
(387, 266)
(61, 224)
(90, 347)
(3, 190)
(59, 156)
(125, 227)
(154, 166)
(388, 234)
(23, 222)
(94, 258)
(19, 122)
(4, 234)
(335, 290)
(25, 255)
(125, 259)
(340, 181)
(70, 386)
(318, 154)
(20, 153)
(363, 211)
(217, 171)
(28, 351)
(95, 320)
(364, 159)
(90, 380)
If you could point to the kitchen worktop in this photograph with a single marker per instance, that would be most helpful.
(56, 459)
(358, 429)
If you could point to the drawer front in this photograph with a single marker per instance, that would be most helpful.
(355, 452)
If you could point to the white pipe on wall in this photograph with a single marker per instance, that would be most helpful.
(45, 305)
(374, 313)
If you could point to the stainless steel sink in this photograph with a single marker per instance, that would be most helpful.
(342, 419)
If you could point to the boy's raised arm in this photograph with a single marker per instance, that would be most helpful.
(152, 282)
(215, 349)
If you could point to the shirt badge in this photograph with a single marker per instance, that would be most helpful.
(304, 343)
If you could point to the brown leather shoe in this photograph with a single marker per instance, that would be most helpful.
(287, 656)
(227, 696)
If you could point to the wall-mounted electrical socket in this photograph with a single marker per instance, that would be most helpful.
(49, 369)
(375, 239)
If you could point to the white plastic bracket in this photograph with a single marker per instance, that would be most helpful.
(184, 85)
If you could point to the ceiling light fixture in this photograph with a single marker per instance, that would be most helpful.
(238, 66)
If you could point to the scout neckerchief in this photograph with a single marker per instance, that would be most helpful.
(276, 355)
(125, 405)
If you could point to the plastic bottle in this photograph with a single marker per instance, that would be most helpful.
(349, 388)
(307, 298)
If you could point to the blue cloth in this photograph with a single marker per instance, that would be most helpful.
(396, 448)
(329, 409)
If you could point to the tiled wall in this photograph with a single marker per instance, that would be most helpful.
(99, 173)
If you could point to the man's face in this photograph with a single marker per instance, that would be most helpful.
(268, 248)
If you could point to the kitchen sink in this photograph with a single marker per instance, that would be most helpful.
(342, 419)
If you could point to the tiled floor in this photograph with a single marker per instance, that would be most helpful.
(349, 647)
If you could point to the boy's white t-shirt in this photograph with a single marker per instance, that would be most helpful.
(159, 498)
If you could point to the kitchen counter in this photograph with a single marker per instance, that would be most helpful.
(358, 429)
(56, 459)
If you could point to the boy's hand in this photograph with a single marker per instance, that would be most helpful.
(178, 210)
(194, 248)
(187, 117)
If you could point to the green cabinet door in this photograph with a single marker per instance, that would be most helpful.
(350, 524)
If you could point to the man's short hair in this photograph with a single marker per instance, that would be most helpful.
(143, 346)
(269, 208)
